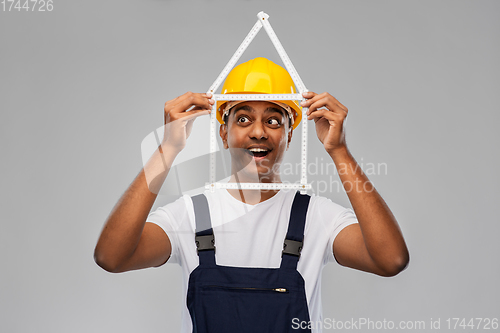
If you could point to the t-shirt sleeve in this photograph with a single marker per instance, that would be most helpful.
(170, 218)
(336, 218)
(346, 218)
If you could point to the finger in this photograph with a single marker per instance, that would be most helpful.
(309, 94)
(176, 100)
(309, 102)
(191, 115)
(190, 99)
(196, 108)
(312, 96)
(322, 113)
(195, 111)
(169, 105)
(335, 102)
(331, 101)
(328, 104)
(187, 117)
(335, 111)
(316, 103)
(324, 102)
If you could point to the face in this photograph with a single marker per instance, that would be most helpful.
(257, 134)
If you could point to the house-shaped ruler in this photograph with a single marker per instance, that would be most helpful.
(303, 186)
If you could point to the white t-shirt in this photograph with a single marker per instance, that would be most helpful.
(252, 236)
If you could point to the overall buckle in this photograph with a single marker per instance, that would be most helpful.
(292, 247)
(205, 243)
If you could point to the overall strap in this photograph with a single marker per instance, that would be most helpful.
(295, 234)
(204, 239)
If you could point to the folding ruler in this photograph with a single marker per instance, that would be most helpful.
(303, 186)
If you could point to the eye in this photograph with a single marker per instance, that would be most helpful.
(274, 121)
(243, 119)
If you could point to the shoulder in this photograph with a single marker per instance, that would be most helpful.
(325, 206)
(174, 213)
(181, 205)
(329, 216)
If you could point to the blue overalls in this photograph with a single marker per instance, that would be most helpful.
(245, 299)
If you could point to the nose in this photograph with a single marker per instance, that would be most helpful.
(258, 131)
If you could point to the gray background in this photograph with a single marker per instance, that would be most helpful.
(83, 85)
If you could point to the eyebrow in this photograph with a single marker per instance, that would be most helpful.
(250, 109)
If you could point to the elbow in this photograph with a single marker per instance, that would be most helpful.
(105, 262)
(396, 265)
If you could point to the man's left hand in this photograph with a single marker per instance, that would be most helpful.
(328, 114)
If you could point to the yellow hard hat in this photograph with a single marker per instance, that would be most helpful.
(260, 76)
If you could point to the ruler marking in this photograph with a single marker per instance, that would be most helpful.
(282, 53)
(257, 186)
(255, 97)
(212, 144)
(236, 56)
(261, 22)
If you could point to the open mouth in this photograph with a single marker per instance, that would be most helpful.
(258, 152)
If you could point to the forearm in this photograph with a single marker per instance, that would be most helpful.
(381, 234)
(123, 227)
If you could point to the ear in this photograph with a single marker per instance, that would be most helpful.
(223, 135)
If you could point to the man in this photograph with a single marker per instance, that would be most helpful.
(250, 225)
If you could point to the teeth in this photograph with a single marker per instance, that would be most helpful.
(257, 150)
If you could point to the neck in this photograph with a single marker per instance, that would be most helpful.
(243, 178)
(253, 197)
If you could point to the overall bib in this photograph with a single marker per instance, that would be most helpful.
(228, 299)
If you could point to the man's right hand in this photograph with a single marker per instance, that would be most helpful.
(127, 242)
(180, 114)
